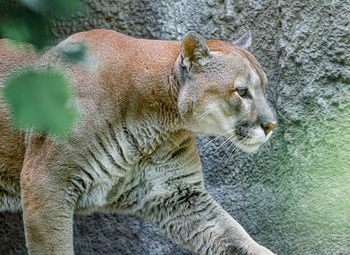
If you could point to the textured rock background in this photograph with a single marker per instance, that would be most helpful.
(292, 196)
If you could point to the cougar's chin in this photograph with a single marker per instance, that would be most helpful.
(247, 147)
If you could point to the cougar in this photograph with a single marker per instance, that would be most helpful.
(133, 150)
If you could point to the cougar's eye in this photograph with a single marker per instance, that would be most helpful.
(242, 92)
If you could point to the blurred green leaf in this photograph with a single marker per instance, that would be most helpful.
(16, 30)
(6, 5)
(40, 100)
(52, 7)
(28, 20)
(25, 26)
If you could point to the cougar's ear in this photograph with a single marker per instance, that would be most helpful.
(245, 41)
(194, 51)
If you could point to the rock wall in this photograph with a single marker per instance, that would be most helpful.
(292, 196)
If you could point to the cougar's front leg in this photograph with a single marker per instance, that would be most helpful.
(179, 204)
(48, 210)
(194, 220)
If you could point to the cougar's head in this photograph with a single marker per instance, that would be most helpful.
(222, 91)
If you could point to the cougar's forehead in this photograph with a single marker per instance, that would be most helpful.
(253, 66)
(247, 75)
(226, 71)
(236, 69)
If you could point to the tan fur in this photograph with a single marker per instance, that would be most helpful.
(133, 149)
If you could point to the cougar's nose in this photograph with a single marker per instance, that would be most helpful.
(268, 127)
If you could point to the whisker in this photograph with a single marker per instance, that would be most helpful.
(232, 152)
(238, 146)
(203, 116)
(228, 149)
(228, 140)
(218, 137)
(230, 144)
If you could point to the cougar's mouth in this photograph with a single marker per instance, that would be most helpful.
(245, 143)
(250, 142)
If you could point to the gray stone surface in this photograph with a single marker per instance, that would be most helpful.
(292, 196)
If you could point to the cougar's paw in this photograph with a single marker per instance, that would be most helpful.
(261, 250)
(252, 250)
